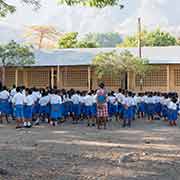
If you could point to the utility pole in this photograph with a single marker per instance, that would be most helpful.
(139, 38)
(140, 48)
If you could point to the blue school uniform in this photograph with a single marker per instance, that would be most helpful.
(28, 112)
(55, 111)
(76, 109)
(44, 109)
(172, 112)
(19, 111)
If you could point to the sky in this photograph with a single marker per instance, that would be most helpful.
(154, 14)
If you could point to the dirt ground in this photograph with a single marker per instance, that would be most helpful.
(147, 151)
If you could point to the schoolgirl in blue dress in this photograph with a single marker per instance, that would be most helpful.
(150, 107)
(55, 102)
(112, 105)
(128, 110)
(18, 102)
(164, 104)
(44, 108)
(88, 101)
(76, 106)
(5, 107)
(28, 109)
(173, 112)
(120, 98)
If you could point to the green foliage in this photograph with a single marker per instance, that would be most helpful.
(110, 39)
(154, 38)
(86, 44)
(91, 3)
(114, 64)
(14, 54)
(6, 8)
(70, 40)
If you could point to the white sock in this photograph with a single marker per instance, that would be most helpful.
(25, 123)
(29, 124)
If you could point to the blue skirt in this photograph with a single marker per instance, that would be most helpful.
(128, 113)
(141, 107)
(164, 111)
(113, 109)
(172, 115)
(28, 112)
(5, 107)
(19, 111)
(76, 109)
(88, 111)
(150, 109)
(120, 108)
(44, 109)
(94, 109)
(36, 108)
(55, 111)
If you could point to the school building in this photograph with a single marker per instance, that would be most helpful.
(71, 68)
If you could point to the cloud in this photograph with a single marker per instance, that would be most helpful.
(154, 13)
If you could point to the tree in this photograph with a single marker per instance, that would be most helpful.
(114, 64)
(40, 36)
(154, 38)
(6, 8)
(110, 39)
(70, 40)
(92, 3)
(14, 54)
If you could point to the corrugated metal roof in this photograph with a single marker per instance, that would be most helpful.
(71, 57)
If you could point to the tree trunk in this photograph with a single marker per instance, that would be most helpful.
(40, 40)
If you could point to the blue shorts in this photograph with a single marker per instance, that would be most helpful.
(19, 111)
(28, 112)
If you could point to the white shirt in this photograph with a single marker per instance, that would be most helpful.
(29, 100)
(88, 100)
(120, 97)
(112, 100)
(128, 101)
(75, 99)
(4, 94)
(44, 100)
(13, 92)
(150, 100)
(55, 99)
(36, 95)
(172, 105)
(18, 99)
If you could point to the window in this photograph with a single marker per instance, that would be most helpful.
(156, 78)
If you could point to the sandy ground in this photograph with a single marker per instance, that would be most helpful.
(147, 151)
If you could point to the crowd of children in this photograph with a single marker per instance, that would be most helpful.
(54, 106)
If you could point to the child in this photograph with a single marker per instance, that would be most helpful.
(172, 112)
(120, 98)
(128, 110)
(150, 107)
(18, 101)
(55, 102)
(88, 101)
(76, 106)
(29, 102)
(113, 105)
(4, 104)
(44, 107)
